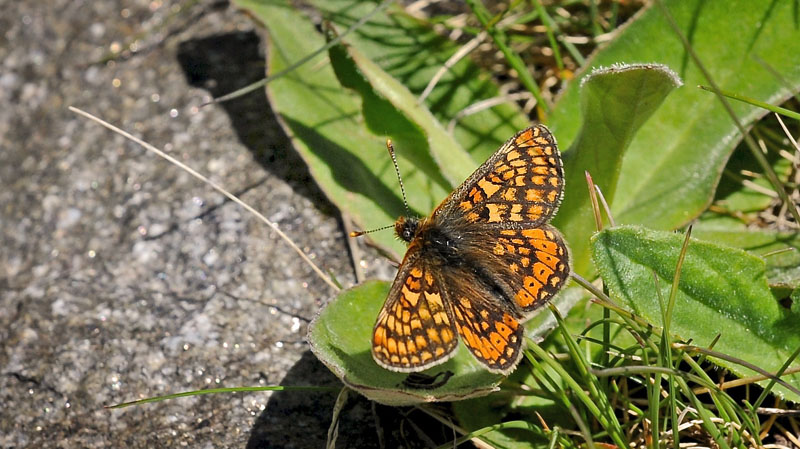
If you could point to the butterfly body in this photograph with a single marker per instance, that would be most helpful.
(479, 264)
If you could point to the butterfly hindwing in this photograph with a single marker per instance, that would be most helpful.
(488, 327)
(414, 330)
(532, 263)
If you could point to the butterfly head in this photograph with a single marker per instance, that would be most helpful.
(406, 228)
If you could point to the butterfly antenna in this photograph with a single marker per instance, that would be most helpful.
(360, 233)
(389, 147)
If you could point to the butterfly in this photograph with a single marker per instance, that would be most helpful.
(479, 264)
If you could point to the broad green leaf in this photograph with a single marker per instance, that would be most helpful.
(390, 108)
(344, 150)
(341, 338)
(780, 250)
(615, 102)
(412, 53)
(349, 163)
(723, 291)
(674, 163)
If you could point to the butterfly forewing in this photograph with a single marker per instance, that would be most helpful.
(521, 183)
(414, 330)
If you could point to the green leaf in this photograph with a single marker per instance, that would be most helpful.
(723, 291)
(780, 250)
(340, 337)
(615, 102)
(341, 134)
(388, 107)
(672, 168)
(412, 53)
(349, 163)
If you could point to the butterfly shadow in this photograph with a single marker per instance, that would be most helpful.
(302, 418)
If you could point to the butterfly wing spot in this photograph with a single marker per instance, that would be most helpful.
(447, 335)
(526, 296)
(548, 259)
(541, 170)
(498, 250)
(476, 195)
(488, 187)
(538, 180)
(524, 139)
(534, 233)
(411, 297)
(535, 212)
(534, 195)
(542, 272)
(504, 330)
(496, 212)
(433, 336)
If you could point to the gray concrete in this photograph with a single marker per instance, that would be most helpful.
(122, 277)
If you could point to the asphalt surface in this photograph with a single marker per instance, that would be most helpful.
(122, 277)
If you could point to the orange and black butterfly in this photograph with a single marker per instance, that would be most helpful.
(479, 264)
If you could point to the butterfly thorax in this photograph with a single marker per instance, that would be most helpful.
(435, 243)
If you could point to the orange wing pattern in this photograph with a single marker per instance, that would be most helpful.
(521, 183)
(534, 262)
(492, 333)
(414, 330)
(480, 264)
